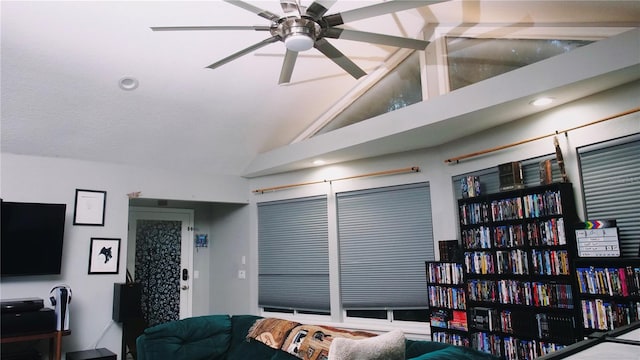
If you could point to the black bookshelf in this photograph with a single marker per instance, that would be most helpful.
(518, 252)
(608, 292)
(447, 302)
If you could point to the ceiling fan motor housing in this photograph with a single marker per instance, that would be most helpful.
(299, 34)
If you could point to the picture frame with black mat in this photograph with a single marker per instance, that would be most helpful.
(104, 256)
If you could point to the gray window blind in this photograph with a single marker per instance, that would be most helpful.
(490, 181)
(293, 254)
(610, 180)
(385, 236)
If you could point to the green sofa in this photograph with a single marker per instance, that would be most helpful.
(224, 337)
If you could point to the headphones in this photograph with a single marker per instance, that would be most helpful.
(61, 286)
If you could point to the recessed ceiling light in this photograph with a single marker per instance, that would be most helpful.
(128, 83)
(542, 101)
(319, 162)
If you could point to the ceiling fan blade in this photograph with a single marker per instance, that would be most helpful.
(289, 6)
(339, 58)
(376, 10)
(189, 28)
(244, 51)
(319, 7)
(338, 33)
(254, 9)
(287, 66)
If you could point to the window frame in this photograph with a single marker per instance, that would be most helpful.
(337, 316)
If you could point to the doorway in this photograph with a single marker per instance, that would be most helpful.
(159, 257)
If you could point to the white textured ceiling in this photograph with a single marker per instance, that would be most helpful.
(61, 63)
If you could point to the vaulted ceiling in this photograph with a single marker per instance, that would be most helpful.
(62, 63)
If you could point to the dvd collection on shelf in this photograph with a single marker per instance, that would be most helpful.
(621, 281)
(445, 273)
(609, 292)
(448, 297)
(550, 262)
(517, 257)
(520, 291)
(470, 186)
(447, 302)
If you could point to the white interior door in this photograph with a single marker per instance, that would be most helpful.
(160, 257)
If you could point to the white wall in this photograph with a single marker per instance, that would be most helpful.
(439, 174)
(229, 243)
(52, 180)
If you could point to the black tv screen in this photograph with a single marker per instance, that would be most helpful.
(32, 237)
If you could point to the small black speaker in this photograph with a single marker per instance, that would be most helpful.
(126, 301)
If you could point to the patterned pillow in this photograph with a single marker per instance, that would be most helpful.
(307, 342)
(389, 346)
(271, 331)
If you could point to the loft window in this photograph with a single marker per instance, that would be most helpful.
(399, 88)
(471, 60)
(467, 61)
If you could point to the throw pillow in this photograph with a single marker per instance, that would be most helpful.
(389, 346)
(306, 342)
(271, 331)
(312, 342)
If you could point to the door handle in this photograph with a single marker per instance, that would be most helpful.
(184, 287)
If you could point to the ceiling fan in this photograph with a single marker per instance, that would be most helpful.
(302, 28)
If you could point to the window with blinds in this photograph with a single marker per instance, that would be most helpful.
(385, 236)
(610, 174)
(293, 255)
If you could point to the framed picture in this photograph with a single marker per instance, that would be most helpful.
(89, 207)
(104, 256)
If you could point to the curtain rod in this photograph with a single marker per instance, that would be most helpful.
(378, 173)
(502, 147)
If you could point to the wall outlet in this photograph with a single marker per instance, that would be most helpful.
(242, 274)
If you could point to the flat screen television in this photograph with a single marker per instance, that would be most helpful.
(31, 238)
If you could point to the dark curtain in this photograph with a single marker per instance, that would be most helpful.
(158, 269)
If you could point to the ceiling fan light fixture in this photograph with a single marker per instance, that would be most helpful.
(299, 33)
(298, 42)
